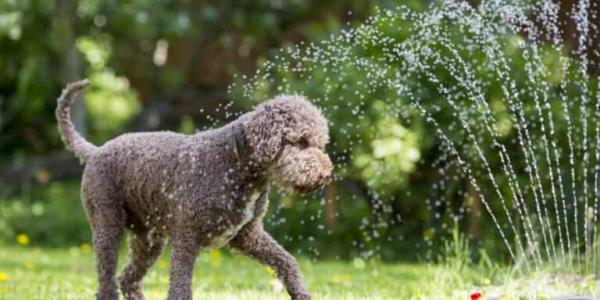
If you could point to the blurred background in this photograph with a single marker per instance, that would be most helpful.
(168, 65)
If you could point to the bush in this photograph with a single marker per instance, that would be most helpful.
(50, 216)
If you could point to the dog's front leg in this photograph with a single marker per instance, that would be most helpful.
(254, 242)
(185, 250)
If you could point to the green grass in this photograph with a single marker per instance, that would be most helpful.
(34, 273)
(68, 273)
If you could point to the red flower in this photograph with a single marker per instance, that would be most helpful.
(476, 296)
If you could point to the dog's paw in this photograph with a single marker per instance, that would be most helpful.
(131, 291)
(107, 295)
(301, 296)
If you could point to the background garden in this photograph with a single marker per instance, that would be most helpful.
(401, 214)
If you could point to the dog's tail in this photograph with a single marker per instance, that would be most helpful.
(72, 139)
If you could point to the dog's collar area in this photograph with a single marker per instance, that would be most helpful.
(244, 153)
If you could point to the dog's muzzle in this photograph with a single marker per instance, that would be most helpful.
(303, 170)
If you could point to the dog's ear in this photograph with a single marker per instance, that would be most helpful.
(265, 129)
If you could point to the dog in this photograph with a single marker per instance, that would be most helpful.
(205, 190)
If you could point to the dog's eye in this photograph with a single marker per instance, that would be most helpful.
(303, 143)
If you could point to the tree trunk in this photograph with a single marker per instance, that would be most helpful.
(474, 213)
(330, 204)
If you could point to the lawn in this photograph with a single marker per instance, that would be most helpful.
(34, 273)
(68, 273)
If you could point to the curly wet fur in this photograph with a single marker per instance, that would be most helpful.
(208, 189)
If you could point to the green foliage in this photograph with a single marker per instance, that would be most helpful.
(389, 159)
(110, 101)
(375, 82)
(50, 216)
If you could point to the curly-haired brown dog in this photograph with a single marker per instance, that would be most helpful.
(203, 190)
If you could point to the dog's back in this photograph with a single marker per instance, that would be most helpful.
(138, 162)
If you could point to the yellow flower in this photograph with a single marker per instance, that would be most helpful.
(3, 277)
(270, 271)
(23, 239)
(85, 248)
(346, 278)
(335, 279)
(215, 258)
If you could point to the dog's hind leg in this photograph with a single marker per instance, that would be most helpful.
(106, 245)
(107, 220)
(144, 249)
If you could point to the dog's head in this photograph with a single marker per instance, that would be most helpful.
(289, 135)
